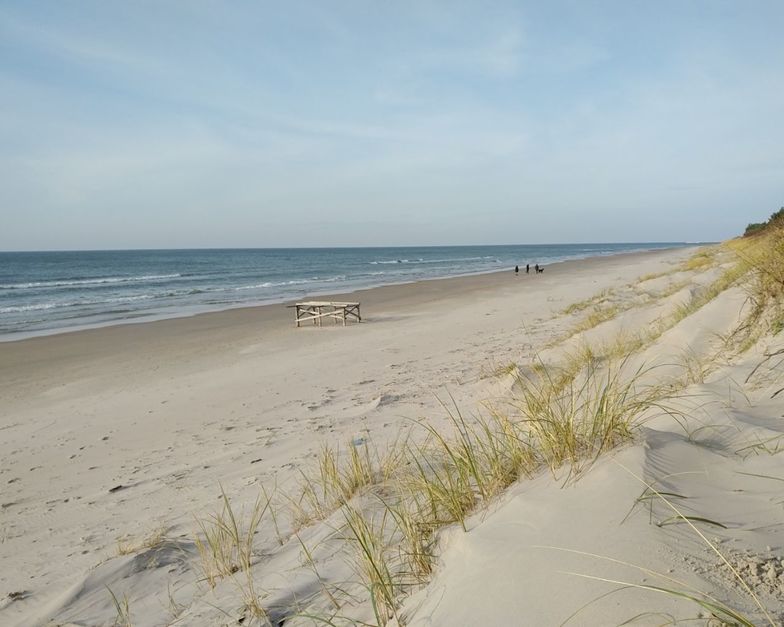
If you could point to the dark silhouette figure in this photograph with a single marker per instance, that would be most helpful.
(517, 269)
(536, 268)
(527, 268)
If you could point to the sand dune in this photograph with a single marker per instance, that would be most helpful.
(116, 440)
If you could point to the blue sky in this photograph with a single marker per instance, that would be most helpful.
(209, 124)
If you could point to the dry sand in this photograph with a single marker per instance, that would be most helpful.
(110, 435)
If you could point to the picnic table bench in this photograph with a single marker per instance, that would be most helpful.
(318, 310)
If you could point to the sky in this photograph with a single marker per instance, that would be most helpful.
(176, 124)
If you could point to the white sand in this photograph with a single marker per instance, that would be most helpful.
(118, 432)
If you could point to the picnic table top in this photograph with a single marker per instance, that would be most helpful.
(324, 303)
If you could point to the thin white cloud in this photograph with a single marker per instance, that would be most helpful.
(431, 115)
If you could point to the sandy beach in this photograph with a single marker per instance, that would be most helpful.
(115, 435)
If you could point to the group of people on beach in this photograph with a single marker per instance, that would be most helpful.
(537, 268)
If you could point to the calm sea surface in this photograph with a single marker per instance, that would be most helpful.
(42, 292)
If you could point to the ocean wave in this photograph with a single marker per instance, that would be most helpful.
(422, 260)
(95, 302)
(87, 282)
(21, 308)
(125, 299)
(268, 284)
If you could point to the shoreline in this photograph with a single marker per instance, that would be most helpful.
(184, 314)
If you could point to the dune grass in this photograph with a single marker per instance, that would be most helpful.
(672, 288)
(225, 545)
(122, 607)
(456, 470)
(624, 343)
(338, 477)
(651, 276)
(701, 260)
(602, 310)
(600, 409)
(311, 563)
(373, 561)
(703, 296)
(579, 306)
(768, 446)
(695, 366)
(126, 545)
(416, 531)
(499, 371)
(766, 257)
(601, 313)
(763, 256)
(596, 316)
(449, 474)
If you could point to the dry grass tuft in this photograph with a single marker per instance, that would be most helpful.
(452, 471)
(126, 546)
(225, 549)
(588, 302)
(600, 409)
(701, 260)
(337, 478)
(695, 366)
(598, 315)
(122, 608)
(500, 371)
(651, 276)
(225, 545)
(373, 561)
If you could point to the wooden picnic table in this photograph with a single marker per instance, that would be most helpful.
(317, 310)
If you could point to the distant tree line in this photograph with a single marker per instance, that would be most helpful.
(776, 218)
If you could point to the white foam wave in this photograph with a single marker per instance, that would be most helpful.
(102, 301)
(268, 284)
(21, 308)
(421, 260)
(88, 282)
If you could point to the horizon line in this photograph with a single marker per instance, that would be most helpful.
(344, 247)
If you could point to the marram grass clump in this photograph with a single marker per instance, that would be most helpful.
(601, 407)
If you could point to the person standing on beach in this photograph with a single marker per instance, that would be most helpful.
(527, 268)
(517, 269)
(536, 267)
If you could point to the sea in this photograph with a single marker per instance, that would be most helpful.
(50, 292)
